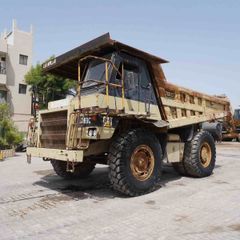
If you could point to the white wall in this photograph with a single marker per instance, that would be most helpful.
(18, 42)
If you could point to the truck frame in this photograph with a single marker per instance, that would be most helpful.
(126, 115)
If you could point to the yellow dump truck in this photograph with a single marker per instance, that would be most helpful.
(126, 115)
(231, 127)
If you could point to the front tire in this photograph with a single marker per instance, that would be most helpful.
(135, 162)
(82, 170)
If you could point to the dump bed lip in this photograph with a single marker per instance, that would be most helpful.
(61, 63)
(213, 98)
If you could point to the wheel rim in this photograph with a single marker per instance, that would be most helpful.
(205, 154)
(142, 162)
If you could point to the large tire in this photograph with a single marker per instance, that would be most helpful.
(199, 156)
(82, 170)
(135, 162)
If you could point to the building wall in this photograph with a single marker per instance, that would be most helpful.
(18, 43)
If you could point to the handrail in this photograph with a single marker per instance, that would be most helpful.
(100, 82)
(74, 118)
(102, 59)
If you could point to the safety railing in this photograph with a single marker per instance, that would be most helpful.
(73, 136)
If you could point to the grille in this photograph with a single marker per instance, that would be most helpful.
(53, 128)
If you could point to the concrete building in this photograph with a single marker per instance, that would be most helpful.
(15, 61)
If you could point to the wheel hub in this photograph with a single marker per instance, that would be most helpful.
(205, 154)
(142, 162)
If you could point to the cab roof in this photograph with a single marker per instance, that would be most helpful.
(66, 64)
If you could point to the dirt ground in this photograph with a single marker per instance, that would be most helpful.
(36, 204)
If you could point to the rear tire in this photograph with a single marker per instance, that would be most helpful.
(135, 162)
(199, 156)
(82, 170)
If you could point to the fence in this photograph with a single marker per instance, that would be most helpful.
(6, 153)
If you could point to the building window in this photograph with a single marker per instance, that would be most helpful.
(3, 96)
(2, 65)
(22, 88)
(23, 59)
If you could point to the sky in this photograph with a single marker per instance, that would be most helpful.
(201, 39)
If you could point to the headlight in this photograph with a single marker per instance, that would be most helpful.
(92, 132)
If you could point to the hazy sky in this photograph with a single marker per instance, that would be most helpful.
(201, 39)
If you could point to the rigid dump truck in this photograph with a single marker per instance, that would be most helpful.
(126, 115)
(231, 127)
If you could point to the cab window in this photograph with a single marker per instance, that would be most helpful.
(131, 81)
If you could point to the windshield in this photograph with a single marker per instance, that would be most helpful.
(96, 71)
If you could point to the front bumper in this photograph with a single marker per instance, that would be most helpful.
(58, 154)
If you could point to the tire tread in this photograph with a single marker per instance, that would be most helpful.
(116, 172)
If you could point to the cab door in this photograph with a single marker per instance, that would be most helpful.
(146, 93)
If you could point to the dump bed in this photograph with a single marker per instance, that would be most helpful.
(184, 106)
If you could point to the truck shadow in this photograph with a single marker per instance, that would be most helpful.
(96, 186)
